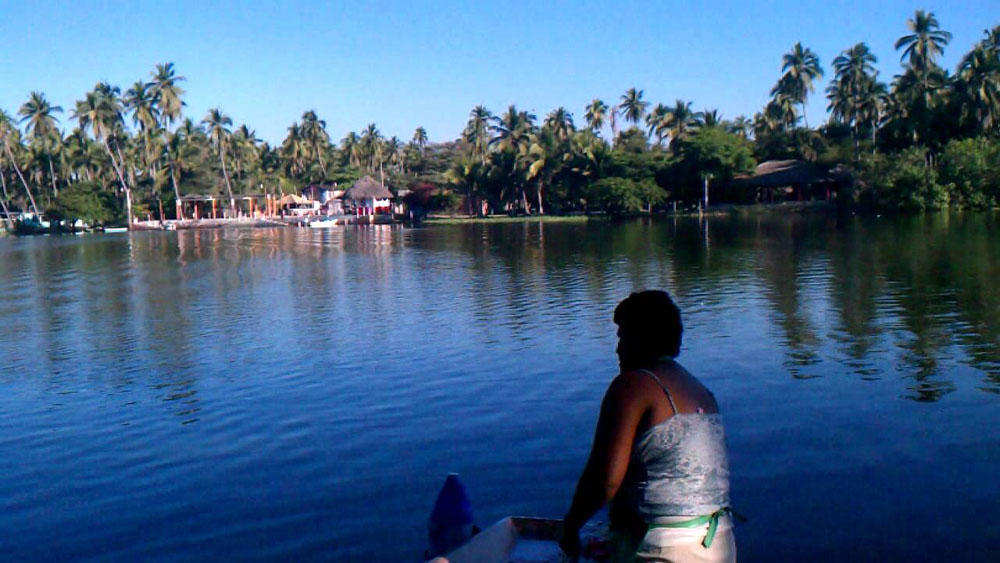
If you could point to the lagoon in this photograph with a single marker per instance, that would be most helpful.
(301, 394)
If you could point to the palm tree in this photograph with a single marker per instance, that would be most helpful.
(801, 67)
(166, 93)
(41, 126)
(781, 110)
(477, 131)
(10, 136)
(560, 121)
(596, 112)
(349, 146)
(680, 120)
(854, 93)
(294, 151)
(37, 111)
(512, 134)
(657, 121)
(710, 118)
(371, 146)
(218, 134)
(632, 106)
(420, 138)
(544, 158)
(925, 42)
(315, 136)
(141, 101)
(176, 156)
(101, 112)
(512, 128)
(979, 85)
(741, 127)
(244, 149)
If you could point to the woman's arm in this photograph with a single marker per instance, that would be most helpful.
(621, 412)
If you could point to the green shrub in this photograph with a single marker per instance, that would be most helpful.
(903, 181)
(620, 196)
(971, 170)
(86, 201)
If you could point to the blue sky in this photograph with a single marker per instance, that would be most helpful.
(407, 64)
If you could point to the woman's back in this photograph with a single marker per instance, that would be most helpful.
(679, 465)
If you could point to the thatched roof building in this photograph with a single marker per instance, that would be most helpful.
(780, 173)
(367, 188)
(798, 178)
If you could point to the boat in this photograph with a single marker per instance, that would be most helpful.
(115, 229)
(322, 224)
(514, 539)
(31, 224)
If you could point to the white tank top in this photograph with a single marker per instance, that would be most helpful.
(679, 467)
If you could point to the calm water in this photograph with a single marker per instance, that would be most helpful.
(301, 394)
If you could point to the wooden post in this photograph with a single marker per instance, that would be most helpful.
(213, 208)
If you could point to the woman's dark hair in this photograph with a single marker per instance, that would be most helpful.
(651, 322)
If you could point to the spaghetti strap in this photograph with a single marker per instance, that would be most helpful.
(662, 386)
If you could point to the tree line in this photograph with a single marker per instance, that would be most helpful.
(928, 139)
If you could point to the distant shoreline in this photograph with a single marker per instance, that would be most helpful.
(718, 211)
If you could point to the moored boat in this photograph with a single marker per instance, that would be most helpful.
(323, 224)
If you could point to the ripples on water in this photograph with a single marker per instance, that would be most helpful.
(301, 393)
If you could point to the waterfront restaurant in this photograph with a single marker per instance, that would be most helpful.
(194, 206)
(297, 206)
(368, 197)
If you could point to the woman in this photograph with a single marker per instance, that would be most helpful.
(659, 451)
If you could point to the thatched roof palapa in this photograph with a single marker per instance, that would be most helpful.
(780, 173)
(292, 199)
(367, 188)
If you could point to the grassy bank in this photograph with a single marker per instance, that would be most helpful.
(455, 220)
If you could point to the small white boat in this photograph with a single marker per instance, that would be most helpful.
(515, 538)
(323, 224)
(115, 229)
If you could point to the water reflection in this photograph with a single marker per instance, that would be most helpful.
(877, 298)
(908, 297)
